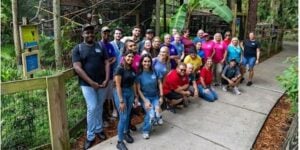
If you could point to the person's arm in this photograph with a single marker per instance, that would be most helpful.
(107, 71)
(196, 93)
(118, 79)
(225, 56)
(112, 60)
(160, 86)
(82, 74)
(141, 95)
(257, 55)
(223, 75)
(136, 97)
(182, 90)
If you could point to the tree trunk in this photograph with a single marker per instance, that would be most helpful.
(157, 16)
(17, 43)
(57, 33)
(165, 16)
(252, 16)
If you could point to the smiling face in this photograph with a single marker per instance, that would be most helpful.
(88, 36)
(198, 45)
(189, 69)
(209, 63)
(129, 58)
(167, 39)
(177, 38)
(117, 35)
(131, 46)
(181, 69)
(200, 33)
(234, 41)
(164, 52)
(146, 63)
(251, 36)
(218, 37)
(105, 35)
(136, 32)
(156, 42)
(147, 45)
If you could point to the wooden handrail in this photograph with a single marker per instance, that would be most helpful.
(56, 96)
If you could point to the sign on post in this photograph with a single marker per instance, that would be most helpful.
(31, 62)
(29, 36)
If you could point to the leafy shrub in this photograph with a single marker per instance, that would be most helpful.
(289, 81)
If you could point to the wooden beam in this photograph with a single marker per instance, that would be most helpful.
(157, 17)
(57, 112)
(23, 85)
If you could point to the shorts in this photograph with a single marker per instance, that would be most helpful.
(250, 61)
(173, 96)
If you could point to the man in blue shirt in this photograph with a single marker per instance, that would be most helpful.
(199, 37)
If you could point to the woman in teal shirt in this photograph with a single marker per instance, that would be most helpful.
(234, 51)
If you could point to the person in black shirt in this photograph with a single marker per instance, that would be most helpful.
(125, 95)
(91, 64)
(251, 56)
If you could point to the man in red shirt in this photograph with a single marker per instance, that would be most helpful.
(175, 87)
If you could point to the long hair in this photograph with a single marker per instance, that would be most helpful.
(238, 42)
(141, 68)
(125, 53)
(216, 36)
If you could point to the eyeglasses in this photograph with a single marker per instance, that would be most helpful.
(182, 70)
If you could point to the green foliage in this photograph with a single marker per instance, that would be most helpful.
(289, 81)
(219, 8)
(178, 20)
(6, 19)
(119, 24)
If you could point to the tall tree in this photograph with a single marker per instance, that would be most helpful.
(252, 15)
(18, 50)
(57, 33)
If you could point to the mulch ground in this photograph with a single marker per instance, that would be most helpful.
(275, 129)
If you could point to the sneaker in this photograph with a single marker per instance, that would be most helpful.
(115, 113)
(101, 135)
(242, 80)
(133, 127)
(224, 88)
(121, 145)
(160, 121)
(88, 144)
(236, 91)
(249, 83)
(146, 135)
(128, 138)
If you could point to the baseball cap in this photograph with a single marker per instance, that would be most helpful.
(105, 28)
(205, 34)
(149, 31)
(87, 27)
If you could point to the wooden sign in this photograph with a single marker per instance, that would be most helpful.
(31, 62)
(29, 36)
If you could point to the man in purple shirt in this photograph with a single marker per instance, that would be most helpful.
(172, 51)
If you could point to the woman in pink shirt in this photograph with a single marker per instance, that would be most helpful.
(131, 46)
(219, 57)
(207, 47)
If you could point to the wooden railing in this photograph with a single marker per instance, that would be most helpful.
(56, 100)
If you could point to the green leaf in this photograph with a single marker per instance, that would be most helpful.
(178, 20)
(219, 8)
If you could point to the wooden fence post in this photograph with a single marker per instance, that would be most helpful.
(57, 113)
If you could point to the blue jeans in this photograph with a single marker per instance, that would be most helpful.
(150, 114)
(211, 96)
(124, 117)
(249, 61)
(94, 101)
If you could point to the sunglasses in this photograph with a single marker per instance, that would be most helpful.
(182, 70)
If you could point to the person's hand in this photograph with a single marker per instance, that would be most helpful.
(222, 61)
(95, 85)
(148, 105)
(122, 107)
(136, 102)
(257, 61)
(206, 91)
(230, 82)
(187, 93)
(196, 94)
(161, 100)
(104, 84)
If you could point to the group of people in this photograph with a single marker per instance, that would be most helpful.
(132, 71)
